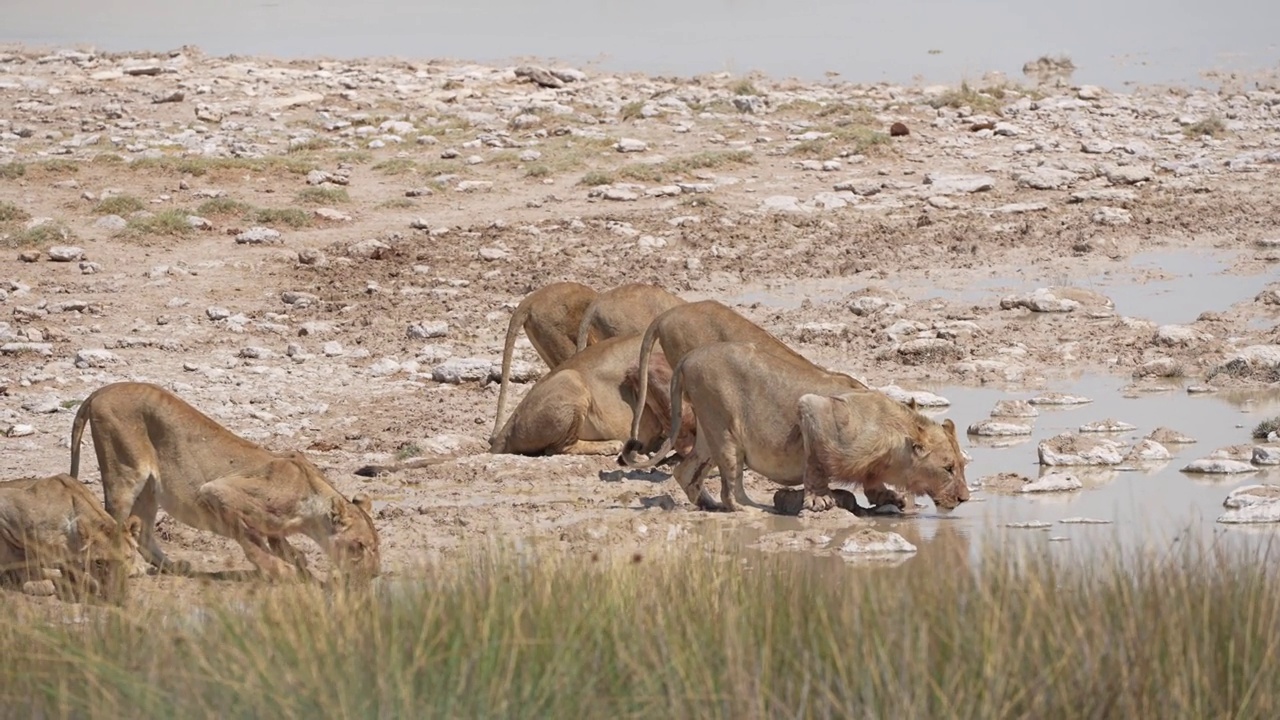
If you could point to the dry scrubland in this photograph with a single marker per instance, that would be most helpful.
(323, 255)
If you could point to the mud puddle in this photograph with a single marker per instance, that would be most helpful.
(1149, 508)
(1164, 286)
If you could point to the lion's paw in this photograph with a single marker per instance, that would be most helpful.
(814, 502)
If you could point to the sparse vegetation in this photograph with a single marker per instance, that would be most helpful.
(1196, 634)
(1263, 429)
(43, 234)
(597, 177)
(408, 450)
(223, 206)
(986, 100)
(324, 195)
(1212, 126)
(119, 205)
(170, 222)
(10, 212)
(355, 157)
(290, 217)
(12, 170)
(743, 87)
(198, 166)
(311, 144)
(401, 203)
(631, 111)
(538, 170)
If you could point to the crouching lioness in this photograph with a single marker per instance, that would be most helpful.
(154, 450)
(56, 523)
(799, 425)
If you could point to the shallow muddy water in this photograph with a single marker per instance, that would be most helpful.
(1163, 286)
(1112, 44)
(1147, 509)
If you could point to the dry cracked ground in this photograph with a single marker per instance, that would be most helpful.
(323, 254)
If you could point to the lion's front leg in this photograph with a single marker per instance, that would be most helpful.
(237, 513)
(817, 489)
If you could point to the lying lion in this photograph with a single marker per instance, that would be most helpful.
(802, 427)
(56, 523)
(550, 317)
(583, 407)
(624, 310)
(154, 450)
(688, 326)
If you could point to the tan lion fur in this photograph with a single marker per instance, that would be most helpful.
(802, 426)
(56, 523)
(624, 310)
(550, 317)
(688, 326)
(582, 407)
(154, 450)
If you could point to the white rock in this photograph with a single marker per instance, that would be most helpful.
(459, 370)
(491, 253)
(1053, 482)
(1030, 525)
(17, 431)
(992, 428)
(384, 367)
(1069, 449)
(430, 329)
(1014, 409)
(1107, 426)
(944, 184)
(874, 542)
(97, 358)
(922, 398)
(1262, 513)
(1148, 450)
(1047, 178)
(1083, 521)
(65, 253)
(782, 203)
(370, 249)
(259, 235)
(1250, 495)
(1218, 466)
(1168, 436)
(630, 145)
(618, 194)
(43, 404)
(1111, 216)
(1054, 398)
(1177, 335)
(1041, 300)
(1266, 455)
(333, 348)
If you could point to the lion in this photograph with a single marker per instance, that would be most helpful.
(550, 316)
(624, 310)
(692, 325)
(583, 407)
(799, 426)
(154, 450)
(56, 523)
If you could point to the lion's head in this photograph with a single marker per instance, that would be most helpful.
(107, 555)
(354, 544)
(937, 465)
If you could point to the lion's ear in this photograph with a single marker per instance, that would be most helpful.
(911, 403)
(336, 507)
(917, 448)
(949, 426)
(363, 502)
(133, 526)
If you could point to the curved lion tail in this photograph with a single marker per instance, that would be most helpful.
(517, 321)
(77, 433)
(628, 456)
(642, 370)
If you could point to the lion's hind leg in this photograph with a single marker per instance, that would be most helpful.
(548, 421)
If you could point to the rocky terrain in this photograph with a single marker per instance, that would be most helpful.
(323, 254)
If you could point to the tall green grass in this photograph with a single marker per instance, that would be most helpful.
(689, 635)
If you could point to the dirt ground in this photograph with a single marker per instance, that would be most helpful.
(399, 193)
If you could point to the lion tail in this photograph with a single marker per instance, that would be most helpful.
(633, 445)
(77, 433)
(517, 321)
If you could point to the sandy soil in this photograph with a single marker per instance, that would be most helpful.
(410, 192)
